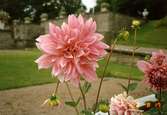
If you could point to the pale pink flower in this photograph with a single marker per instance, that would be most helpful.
(123, 104)
(155, 70)
(72, 50)
(158, 58)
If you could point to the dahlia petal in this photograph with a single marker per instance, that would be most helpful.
(98, 36)
(144, 66)
(72, 21)
(61, 61)
(88, 72)
(53, 29)
(49, 48)
(43, 38)
(38, 45)
(90, 25)
(66, 29)
(46, 44)
(81, 20)
(56, 70)
(45, 61)
(61, 78)
(102, 45)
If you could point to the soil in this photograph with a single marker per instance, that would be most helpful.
(28, 100)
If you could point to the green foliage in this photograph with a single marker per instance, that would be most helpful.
(103, 106)
(131, 87)
(124, 35)
(162, 23)
(86, 87)
(73, 103)
(52, 7)
(123, 87)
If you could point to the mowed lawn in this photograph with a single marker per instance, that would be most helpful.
(18, 69)
(149, 36)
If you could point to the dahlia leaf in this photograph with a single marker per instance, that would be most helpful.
(132, 86)
(123, 87)
(86, 87)
(71, 103)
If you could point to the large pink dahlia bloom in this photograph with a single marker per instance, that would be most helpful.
(72, 50)
(155, 70)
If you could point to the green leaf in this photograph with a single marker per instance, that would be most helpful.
(132, 86)
(71, 103)
(123, 86)
(86, 87)
(78, 100)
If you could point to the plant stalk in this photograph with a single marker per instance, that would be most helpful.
(57, 86)
(72, 98)
(103, 75)
(83, 96)
(133, 57)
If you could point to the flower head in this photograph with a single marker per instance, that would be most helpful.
(124, 35)
(72, 50)
(155, 70)
(136, 24)
(123, 104)
(52, 101)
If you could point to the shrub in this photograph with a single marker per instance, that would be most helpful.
(162, 23)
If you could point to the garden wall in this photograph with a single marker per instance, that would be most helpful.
(24, 35)
(6, 40)
(107, 23)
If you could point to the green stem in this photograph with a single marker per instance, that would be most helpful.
(57, 86)
(103, 75)
(133, 57)
(83, 96)
(72, 98)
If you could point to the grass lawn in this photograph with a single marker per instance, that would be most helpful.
(18, 69)
(150, 36)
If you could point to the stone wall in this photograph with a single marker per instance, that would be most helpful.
(107, 23)
(6, 40)
(24, 35)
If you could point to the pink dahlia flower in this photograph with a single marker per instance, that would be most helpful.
(72, 50)
(155, 70)
(123, 104)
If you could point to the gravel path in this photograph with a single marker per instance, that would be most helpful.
(28, 100)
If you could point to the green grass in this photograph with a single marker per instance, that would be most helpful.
(17, 69)
(119, 70)
(150, 36)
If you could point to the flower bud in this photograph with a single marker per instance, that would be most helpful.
(104, 108)
(52, 101)
(124, 35)
(136, 24)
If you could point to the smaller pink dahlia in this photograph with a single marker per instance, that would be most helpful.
(123, 104)
(155, 70)
(72, 50)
